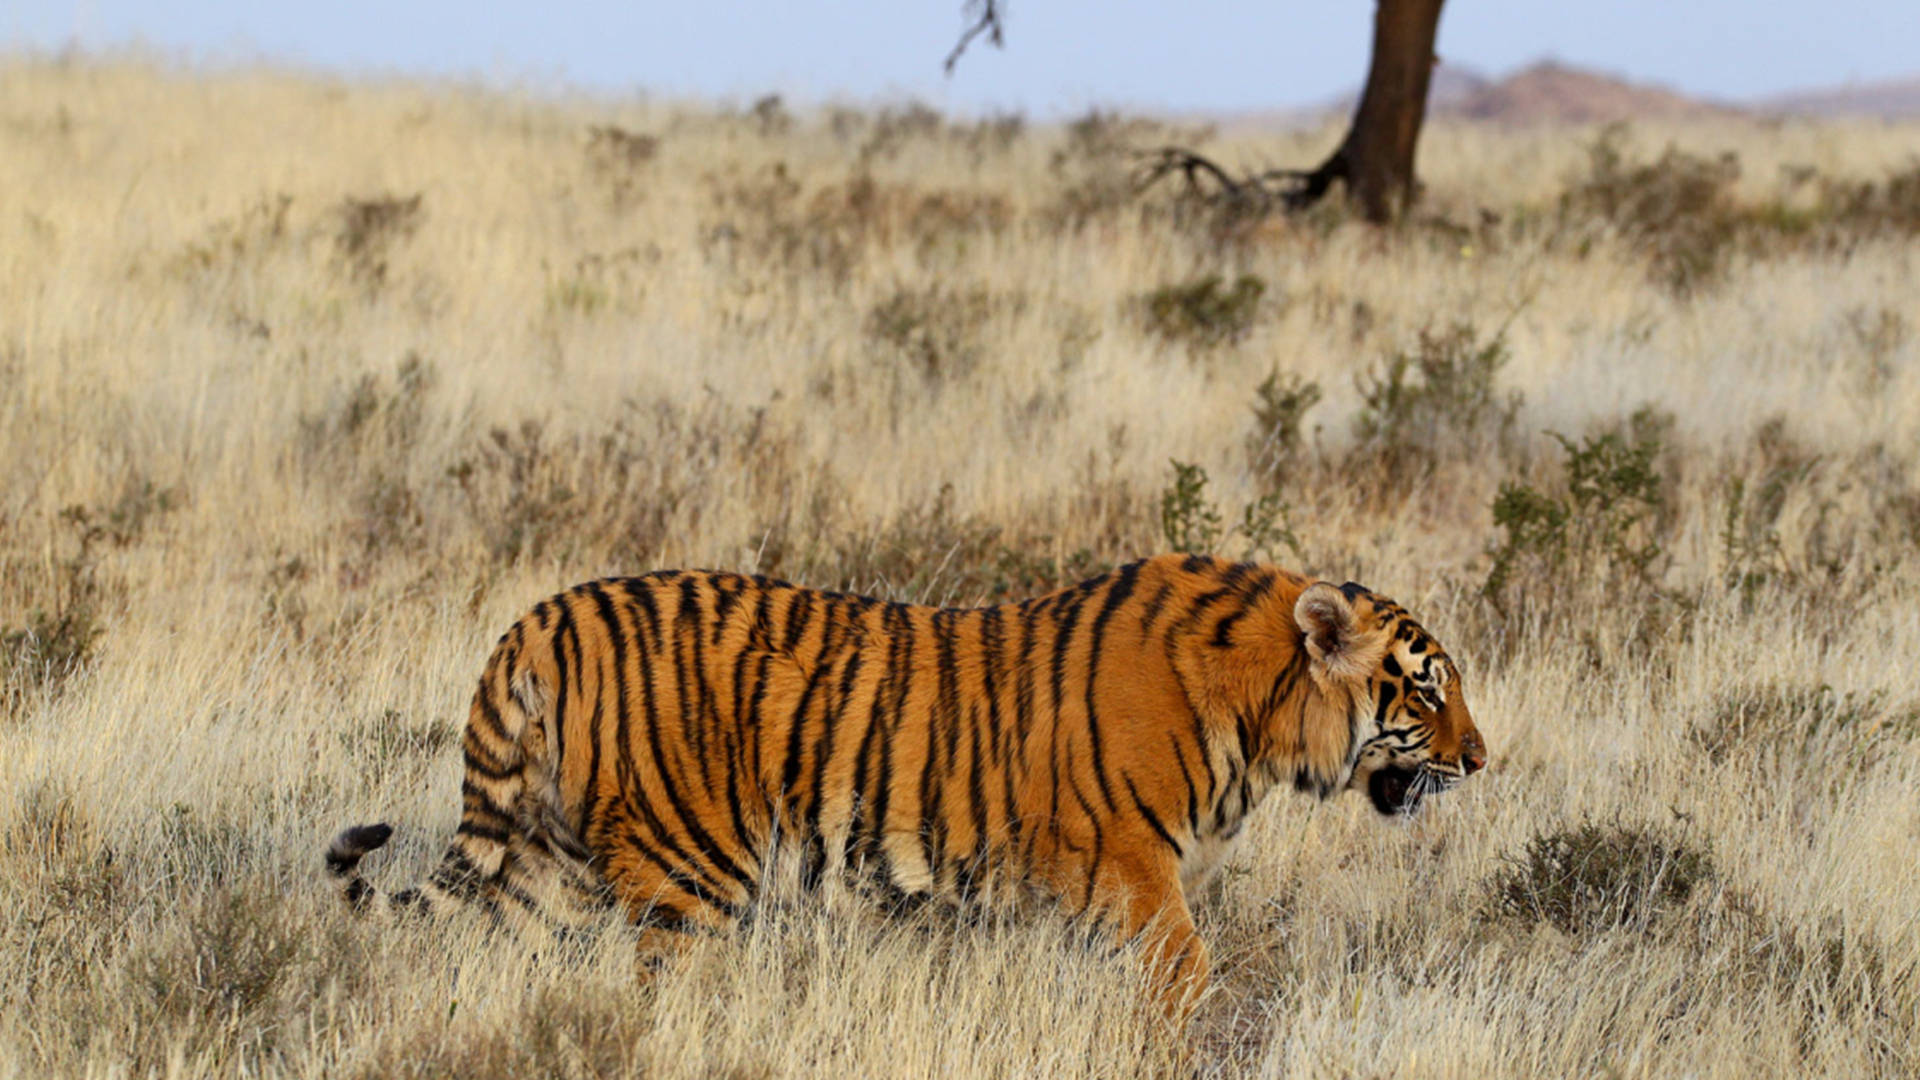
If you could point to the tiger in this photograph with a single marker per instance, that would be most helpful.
(654, 745)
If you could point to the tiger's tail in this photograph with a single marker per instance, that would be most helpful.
(343, 860)
(490, 858)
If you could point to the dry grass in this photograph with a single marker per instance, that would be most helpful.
(307, 388)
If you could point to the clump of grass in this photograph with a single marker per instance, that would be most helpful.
(1597, 877)
(71, 893)
(369, 431)
(235, 976)
(932, 555)
(1750, 541)
(1206, 312)
(259, 228)
(770, 116)
(375, 416)
(617, 159)
(1868, 207)
(563, 1031)
(895, 127)
(653, 468)
(935, 330)
(368, 229)
(598, 283)
(1094, 165)
(54, 645)
(1677, 210)
(1849, 730)
(390, 741)
(69, 606)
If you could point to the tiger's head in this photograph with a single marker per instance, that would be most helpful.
(1412, 734)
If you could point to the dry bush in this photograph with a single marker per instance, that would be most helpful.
(370, 228)
(1596, 878)
(1678, 210)
(1203, 312)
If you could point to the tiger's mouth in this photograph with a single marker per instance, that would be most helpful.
(1396, 790)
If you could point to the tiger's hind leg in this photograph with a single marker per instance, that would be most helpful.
(673, 904)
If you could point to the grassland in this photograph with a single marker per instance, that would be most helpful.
(308, 387)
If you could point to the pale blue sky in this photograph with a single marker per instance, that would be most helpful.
(1061, 55)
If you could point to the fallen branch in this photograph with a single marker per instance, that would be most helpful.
(1261, 192)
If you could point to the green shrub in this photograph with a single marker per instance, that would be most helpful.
(1203, 312)
(1602, 519)
(1193, 524)
(1439, 399)
(1279, 419)
(1593, 878)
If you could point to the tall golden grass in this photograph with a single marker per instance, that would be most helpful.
(308, 387)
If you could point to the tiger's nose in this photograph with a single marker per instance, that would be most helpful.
(1473, 756)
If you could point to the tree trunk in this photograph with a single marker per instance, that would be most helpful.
(1375, 160)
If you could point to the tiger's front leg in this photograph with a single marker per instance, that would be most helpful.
(1140, 896)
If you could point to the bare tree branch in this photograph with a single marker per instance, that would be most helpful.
(1256, 192)
(987, 20)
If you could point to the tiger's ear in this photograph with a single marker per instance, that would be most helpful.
(1334, 638)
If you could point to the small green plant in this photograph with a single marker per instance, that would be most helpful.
(1438, 397)
(1205, 313)
(1603, 517)
(1279, 418)
(1188, 520)
(1597, 877)
(1191, 523)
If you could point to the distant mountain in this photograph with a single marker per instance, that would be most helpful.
(1890, 99)
(1548, 92)
(1551, 92)
(1450, 85)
